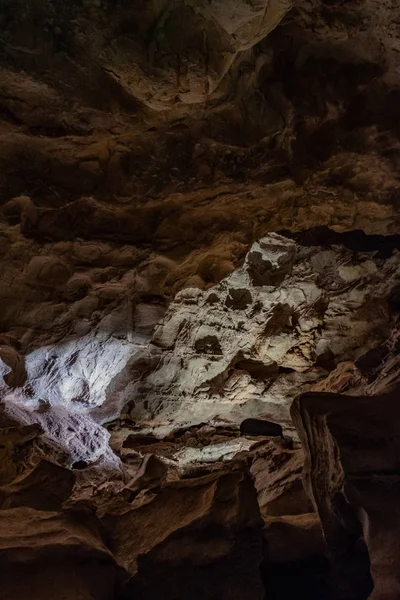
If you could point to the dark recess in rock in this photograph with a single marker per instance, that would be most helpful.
(260, 427)
(356, 240)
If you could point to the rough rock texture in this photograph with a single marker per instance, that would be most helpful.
(295, 556)
(274, 327)
(181, 50)
(150, 529)
(246, 347)
(276, 471)
(199, 219)
(351, 473)
(47, 551)
(53, 551)
(219, 539)
(136, 162)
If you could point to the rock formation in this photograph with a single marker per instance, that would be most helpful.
(199, 222)
(155, 526)
(275, 326)
(351, 474)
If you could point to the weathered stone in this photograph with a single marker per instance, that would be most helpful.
(45, 487)
(151, 473)
(47, 554)
(200, 537)
(351, 446)
(277, 472)
(293, 538)
(209, 362)
(199, 220)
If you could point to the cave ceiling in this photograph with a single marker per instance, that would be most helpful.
(157, 160)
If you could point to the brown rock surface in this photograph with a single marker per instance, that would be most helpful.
(46, 551)
(295, 553)
(46, 554)
(181, 526)
(136, 162)
(351, 473)
(199, 538)
(277, 472)
(45, 487)
(199, 220)
(293, 538)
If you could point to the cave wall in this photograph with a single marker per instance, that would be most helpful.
(137, 163)
(199, 219)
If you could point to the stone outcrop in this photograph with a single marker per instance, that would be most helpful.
(277, 325)
(276, 470)
(165, 530)
(190, 539)
(282, 323)
(181, 50)
(351, 473)
(43, 552)
(136, 163)
(45, 548)
(295, 555)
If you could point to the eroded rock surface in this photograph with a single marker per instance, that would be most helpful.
(198, 561)
(199, 220)
(277, 325)
(153, 528)
(351, 473)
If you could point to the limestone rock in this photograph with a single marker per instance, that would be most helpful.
(250, 356)
(198, 221)
(351, 473)
(150, 474)
(12, 367)
(75, 437)
(293, 538)
(45, 552)
(22, 449)
(307, 308)
(191, 538)
(277, 472)
(45, 487)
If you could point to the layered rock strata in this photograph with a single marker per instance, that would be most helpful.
(154, 527)
(161, 165)
(351, 473)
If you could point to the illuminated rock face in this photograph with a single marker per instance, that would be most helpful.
(276, 326)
